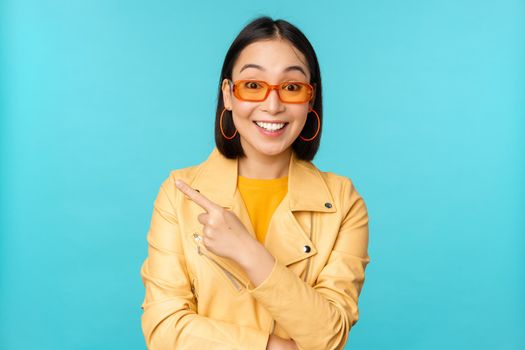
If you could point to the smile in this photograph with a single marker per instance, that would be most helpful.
(270, 126)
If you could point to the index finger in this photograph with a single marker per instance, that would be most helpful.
(195, 196)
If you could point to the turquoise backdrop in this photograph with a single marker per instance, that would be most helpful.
(424, 111)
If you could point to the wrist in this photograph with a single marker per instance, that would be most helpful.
(248, 256)
(257, 262)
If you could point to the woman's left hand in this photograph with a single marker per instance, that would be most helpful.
(223, 233)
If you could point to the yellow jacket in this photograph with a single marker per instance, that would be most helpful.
(198, 300)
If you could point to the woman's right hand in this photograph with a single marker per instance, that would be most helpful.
(278, 343)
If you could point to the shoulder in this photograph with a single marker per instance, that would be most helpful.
(186, 174)
(335, 180)
(342, 188)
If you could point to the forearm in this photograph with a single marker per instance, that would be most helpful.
(185, 329)
(293, 302)
(258, 264)
(309, 316)
(256, 261)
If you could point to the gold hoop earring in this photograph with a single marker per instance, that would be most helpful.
(222, 131)
(318, 126)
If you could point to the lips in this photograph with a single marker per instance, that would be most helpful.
(271, 126)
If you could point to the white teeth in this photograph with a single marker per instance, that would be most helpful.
(270, 126)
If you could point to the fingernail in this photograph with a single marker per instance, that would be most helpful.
(178, 182)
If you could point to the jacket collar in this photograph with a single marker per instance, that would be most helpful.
(288, 233)
(307, 190)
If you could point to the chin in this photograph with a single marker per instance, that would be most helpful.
(267, 148)
(271, 151)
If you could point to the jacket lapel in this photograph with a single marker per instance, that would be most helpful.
(287, 236)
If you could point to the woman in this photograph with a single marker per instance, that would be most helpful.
(256, 248)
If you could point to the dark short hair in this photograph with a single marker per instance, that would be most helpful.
(264, 28)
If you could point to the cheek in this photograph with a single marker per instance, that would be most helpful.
(300, 115)
(243, 110)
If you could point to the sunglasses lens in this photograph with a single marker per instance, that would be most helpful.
(291, 92)
(295, 92)
(251, 90)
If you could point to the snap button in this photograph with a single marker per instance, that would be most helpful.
(307, 249)
(328, 205)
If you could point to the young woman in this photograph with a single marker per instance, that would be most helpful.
(255, 247)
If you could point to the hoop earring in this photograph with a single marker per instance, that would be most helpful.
(222, 131)
(318, 126)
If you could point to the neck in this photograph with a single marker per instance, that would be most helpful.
(260, 166)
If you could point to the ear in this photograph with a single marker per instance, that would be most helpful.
(226, 94)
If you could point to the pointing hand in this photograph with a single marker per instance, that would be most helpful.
(223, 233)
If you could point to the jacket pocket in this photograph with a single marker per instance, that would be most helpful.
(227, 275)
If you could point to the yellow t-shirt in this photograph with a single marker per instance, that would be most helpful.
(261, 197)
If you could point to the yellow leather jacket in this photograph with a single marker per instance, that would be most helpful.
(318, 235)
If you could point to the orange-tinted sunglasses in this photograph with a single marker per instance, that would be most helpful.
(258, 90)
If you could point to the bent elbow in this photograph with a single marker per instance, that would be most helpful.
(332, 337)
(162, 331)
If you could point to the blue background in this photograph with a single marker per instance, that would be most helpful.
(424, 111)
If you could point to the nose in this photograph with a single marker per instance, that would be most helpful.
(273, 104)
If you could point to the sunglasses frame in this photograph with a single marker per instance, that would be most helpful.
(271, 87)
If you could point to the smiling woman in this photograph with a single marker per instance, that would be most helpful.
(255, 247)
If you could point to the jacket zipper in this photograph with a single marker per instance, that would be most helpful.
(228, 274)
(194, 291)
(234, 281)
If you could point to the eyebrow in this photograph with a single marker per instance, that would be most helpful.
(288, 69)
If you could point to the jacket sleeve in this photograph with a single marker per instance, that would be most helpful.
(320, 316)
(170, 319)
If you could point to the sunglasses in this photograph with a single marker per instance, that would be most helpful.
(258, 90)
